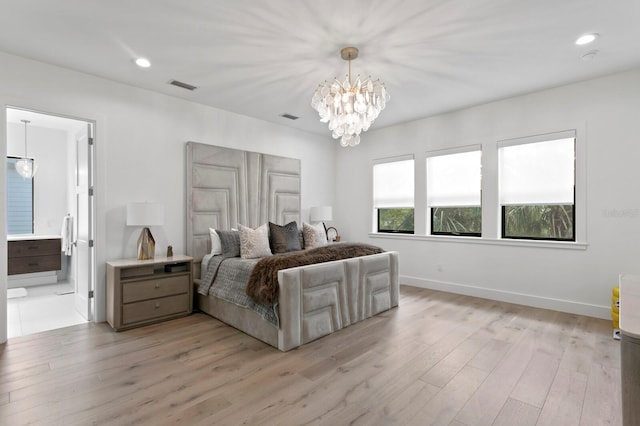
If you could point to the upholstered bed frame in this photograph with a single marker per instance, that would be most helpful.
(226, 187)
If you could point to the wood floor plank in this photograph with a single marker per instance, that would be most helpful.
(534, 384)
(439, 358)
(603, 400)
(517, 413)
(443, 407)
(565, 400)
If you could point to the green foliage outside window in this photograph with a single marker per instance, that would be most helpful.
(547, 222)
(456, 221)
(395, 220)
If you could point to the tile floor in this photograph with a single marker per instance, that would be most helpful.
(44, 308)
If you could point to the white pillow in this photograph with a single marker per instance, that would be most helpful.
(254, 243)
(216, 245)
(314, 236)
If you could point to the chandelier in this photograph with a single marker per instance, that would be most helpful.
(26, 167)
(349, 107)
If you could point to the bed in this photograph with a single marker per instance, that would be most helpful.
(227, 187)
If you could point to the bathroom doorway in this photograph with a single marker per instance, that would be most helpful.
(50, 221)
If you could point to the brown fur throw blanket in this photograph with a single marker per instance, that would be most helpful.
(263, 281)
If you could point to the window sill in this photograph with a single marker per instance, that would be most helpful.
(479, 240)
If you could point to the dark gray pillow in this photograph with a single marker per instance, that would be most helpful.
(230, 242)
(284, 238)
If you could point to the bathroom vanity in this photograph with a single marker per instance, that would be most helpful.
(30, 253)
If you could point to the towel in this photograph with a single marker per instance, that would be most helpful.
(67, 234)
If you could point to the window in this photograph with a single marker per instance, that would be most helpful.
(537, 187)
(454, 192)
(19, 201)
(393, 187)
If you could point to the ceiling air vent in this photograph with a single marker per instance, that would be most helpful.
(182, 85)
(289, 116)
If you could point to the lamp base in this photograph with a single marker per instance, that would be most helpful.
(146, 245)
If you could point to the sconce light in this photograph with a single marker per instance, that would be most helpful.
(145, 215)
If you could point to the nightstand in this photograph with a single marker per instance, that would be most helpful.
(141, 292)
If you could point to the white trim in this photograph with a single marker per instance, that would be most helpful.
(543, 137)
(393, 159)
(569, 245)
(569, 306)
(456, 150)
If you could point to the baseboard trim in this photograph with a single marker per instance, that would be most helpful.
(511, 297)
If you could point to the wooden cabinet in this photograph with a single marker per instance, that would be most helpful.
(26, 256)
(141, 292)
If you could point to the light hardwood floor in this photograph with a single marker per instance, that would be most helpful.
(439, 358)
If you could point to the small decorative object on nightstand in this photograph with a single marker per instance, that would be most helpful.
(170, 251)
(141, 292)
(332, 235)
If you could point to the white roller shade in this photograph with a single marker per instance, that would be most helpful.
(393, 184)
(454, 180)
(537, 173)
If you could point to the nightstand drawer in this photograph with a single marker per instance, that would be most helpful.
(150, 309)
(158, 287)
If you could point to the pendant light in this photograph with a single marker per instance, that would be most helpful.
(26, 167)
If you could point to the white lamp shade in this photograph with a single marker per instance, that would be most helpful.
(321, 214)
(145, 214)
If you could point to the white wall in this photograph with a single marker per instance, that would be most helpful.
(606, 112)
(140, 143)
(49, 148)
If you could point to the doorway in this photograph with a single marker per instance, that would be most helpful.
(58, 212)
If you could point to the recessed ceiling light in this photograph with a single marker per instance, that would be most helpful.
(586, 39)
(143, 63)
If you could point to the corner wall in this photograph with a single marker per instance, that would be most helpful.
(578, 281)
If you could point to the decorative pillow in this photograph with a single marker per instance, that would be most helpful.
(216, 245)
(314, 235)
(254, 243)
(229, 242)
(284, 238)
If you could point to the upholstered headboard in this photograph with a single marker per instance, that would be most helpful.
(228, 186)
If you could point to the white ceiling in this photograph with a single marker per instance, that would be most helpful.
(265, 58)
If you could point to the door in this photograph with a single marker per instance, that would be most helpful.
(85, 261)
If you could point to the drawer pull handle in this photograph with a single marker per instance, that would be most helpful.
(33, 248)
(157, 305)
(32, 264)
(157, 285)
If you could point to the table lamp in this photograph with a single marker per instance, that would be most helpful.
(145, 215)
(322, 214)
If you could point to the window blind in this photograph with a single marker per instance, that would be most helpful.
(19, 201)
(393, 184)
(454, 180)
(537, 173)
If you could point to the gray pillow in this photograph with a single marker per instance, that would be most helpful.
(230, 242)
(284, 238)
